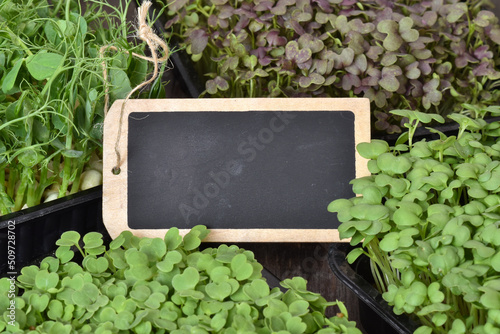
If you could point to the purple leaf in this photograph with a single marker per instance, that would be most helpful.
(494, 34)
(444, 68)
(242, 23)
(374, 52)
(482, 52)
(320, 66)
(428, 19)
(389, 59)
(293, 52)
(324, 5)
(422, 54)
(175, 6)
(484, 69)
(199, 40)
(330, 80)
(356, 42)
(305, 65)
(484, 18)
(358, 66)
(225, 12)
(213, 85)
(212, 21)
(263, 6)
(349, 80)
(425, 66)
(412, 71)
(310, 42)
(416, 89)
(345, 58)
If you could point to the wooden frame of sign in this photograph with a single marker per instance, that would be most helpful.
(117, 188)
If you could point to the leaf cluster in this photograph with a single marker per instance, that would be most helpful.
(431, 56)
(428, 217)
(52, 94)
(144, 285)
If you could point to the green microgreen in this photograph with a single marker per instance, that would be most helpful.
(428, 219)
(161, 285)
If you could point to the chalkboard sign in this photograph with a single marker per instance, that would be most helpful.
(249, 169)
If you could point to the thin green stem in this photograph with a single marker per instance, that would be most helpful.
(17, 40)
(75, 187)
(21, 191)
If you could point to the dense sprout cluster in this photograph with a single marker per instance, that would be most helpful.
(428, 217)
(422, 55)
(52, 94)
(155, 285)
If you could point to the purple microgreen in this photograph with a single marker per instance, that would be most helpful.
(392, 40)
(293, 52)
(425, 66)
(389, 79)
(431, 93)
(250, 61)
(320, 66)
(428, 19)
(355, 41)
(225, 12)
(177, 5)
(231, 63)
(350, 80)
(362, 28)
(344, 59)
(278, 52)
(406, 31)
(342, 25)
(484, 18)
(485, 69)
(262, 6)
(312, 79)
(324, 17)
(280, 7)
(422, 54)
(330, 80)
(444, 68)
(310, 42)
(482, 52)
(412, 71)
(324, 5)
(274, 39)
(494, 34)
(255, 26)
(374, 52)
(216, 84)
(199, 41)
(389, 59)
(242, 23)
(455, 11)
(359, 65)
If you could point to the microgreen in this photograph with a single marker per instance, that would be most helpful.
(161, 285)
(427, 56)
(428, 219)
(52, 93)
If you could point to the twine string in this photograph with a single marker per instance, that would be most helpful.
(147, 35)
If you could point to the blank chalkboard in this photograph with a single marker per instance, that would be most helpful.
(249, 169)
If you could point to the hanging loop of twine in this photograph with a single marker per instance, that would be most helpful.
(147, 35)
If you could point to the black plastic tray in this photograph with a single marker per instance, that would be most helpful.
(37, 229)
(376, 316)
